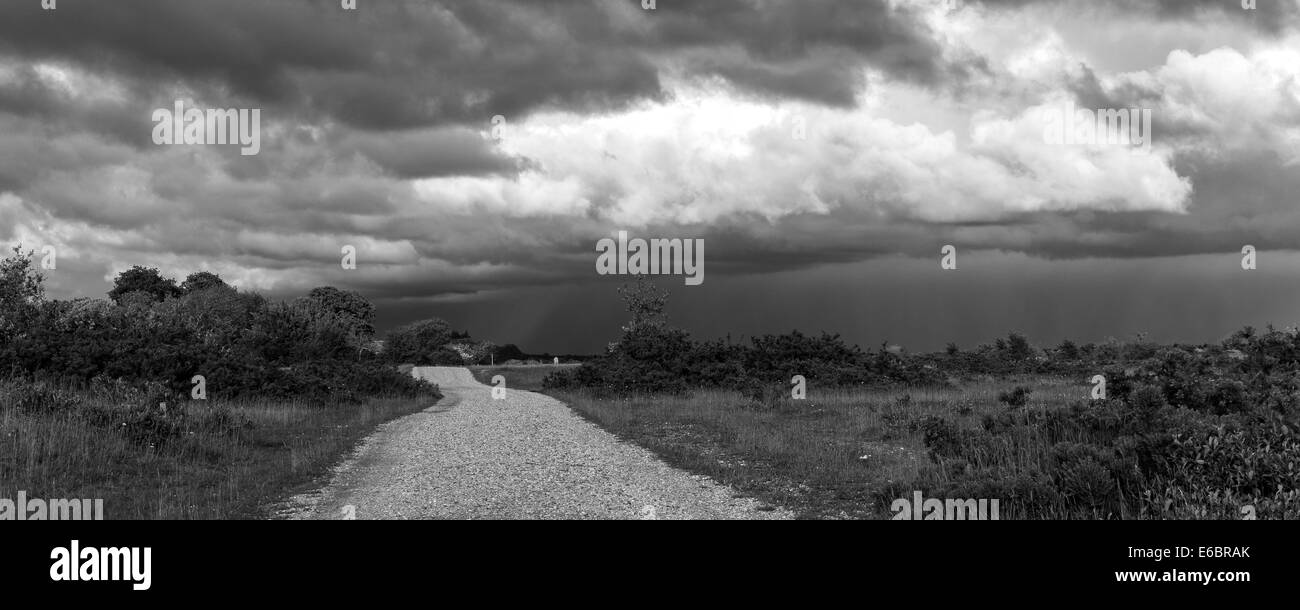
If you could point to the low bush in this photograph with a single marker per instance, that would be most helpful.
(1184, 434)
(42, 398)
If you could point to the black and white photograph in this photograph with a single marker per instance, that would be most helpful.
(650, 260)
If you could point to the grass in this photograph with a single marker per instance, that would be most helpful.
(824, 457)
(527, 377)
(195, 475)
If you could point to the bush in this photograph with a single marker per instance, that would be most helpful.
(147, 415)
(153, 425)
(764, 395)
(417, 343)
(444, 357)
(1185, 433)
(1018, 397)
(345, 382)
(653, 359)
(897, 418)
(42, 399)
(157, 332)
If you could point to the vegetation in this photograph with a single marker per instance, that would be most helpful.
(1185, 433)
(432, 342)
(1182, 432)
(195, 400)
(527, 377)
(101, 398)
(827, 457)
(190, 460)
(653, 358)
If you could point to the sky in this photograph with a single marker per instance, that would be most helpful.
(474, 153)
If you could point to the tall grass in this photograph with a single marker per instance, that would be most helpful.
(828, 456)
(261, 452)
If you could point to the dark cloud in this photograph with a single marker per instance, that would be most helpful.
(811, 49)
(401, 64)
(423, 154)
(1273, 16)
(1197, 299)
(361, 107)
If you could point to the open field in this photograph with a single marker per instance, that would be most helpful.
(825, 457)
(221, 463)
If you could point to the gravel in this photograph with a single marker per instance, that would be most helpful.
(527, 456)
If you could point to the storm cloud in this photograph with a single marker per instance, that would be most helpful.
(474, 152)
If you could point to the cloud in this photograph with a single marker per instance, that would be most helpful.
(405, 64)
(788, 134)
(429, 153)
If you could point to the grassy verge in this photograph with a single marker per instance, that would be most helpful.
(824, 457)
(527, 377)
(262, 452)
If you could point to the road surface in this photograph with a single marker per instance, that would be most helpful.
(527, 456)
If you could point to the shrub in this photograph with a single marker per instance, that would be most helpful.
(444, 357)
(156, 424)
(239, 342)
(897, 417)
(1185, 433)
(344, 382)
(417, 343)
(42, 399)
(1017, 397)
(763, 395)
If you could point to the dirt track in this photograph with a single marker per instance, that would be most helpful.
(526, 456)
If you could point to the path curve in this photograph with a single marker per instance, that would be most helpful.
(527, 456)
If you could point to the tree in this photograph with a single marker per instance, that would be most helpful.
(293, 332)
(349, 307)
(201, 280)
(418, 342)
(508, 352)
(20, 282)
(646, 304)
(21, 291)
(137, 300)
(218, 313)
(146, 280)
(1017, 347)
(1068, 350)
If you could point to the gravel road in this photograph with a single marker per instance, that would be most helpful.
(527, 456)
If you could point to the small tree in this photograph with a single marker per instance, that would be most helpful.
(201, 280)
(1017, 397)
(20, 282)
(646, 304)
(146, 280)
(418, 342)
(349, 307)
(1067, 350)
(508, 352)
(1017, 347)
(21, 291)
